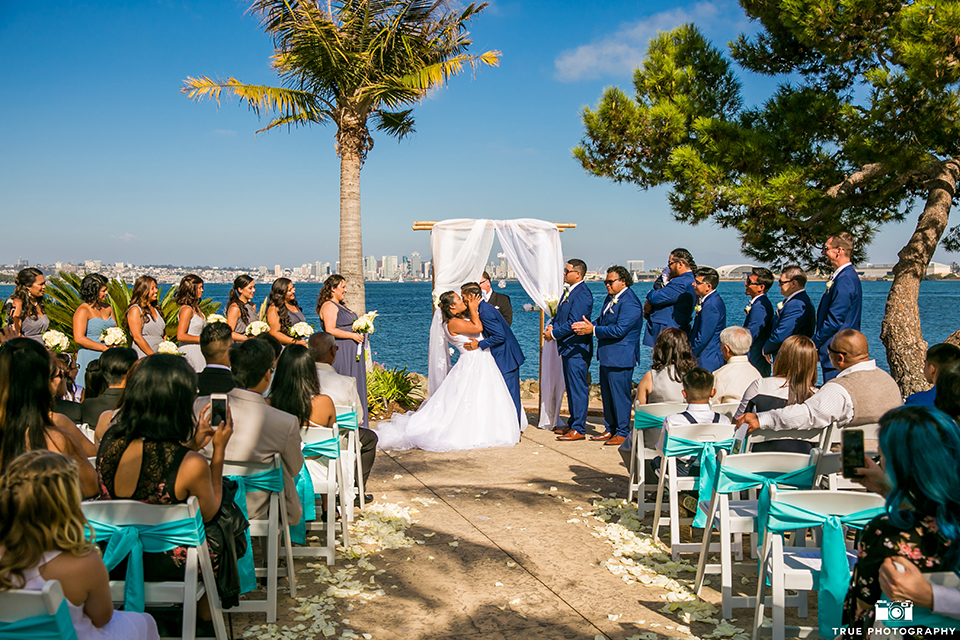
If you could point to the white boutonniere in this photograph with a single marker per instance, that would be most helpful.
(697, 308)
(829, 284)
(747, 308)
(780, 306)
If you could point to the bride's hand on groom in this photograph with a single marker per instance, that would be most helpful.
(472, 345)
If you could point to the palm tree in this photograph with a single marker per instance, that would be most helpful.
(347, 61)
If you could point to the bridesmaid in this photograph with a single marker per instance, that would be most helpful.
(190, 320)
(27, 314)
(283, 311)
(89, 321)
(145, 321)
(337, 320)
(241, 310)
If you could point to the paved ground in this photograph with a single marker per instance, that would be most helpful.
(526, 562)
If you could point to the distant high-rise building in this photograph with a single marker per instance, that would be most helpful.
(369, 268)
(92, 265)
(326, 269)
(262, 271)
(635, 266)
(416, 269)
(389, 267)
(22, 264)
(427, 269)
(337, 270)
(277, 271)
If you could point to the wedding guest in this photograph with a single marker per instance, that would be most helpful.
(215, 341)
(671, 305)
(43, 539)
(500, 301)
(63, 388)
(113, 368)
(92, 317)
(795, 314)
(948, 390)
(337, 320)
(938, 357)
(840, 306)
(145, 320)
(710, 319)
(26, 308)
(733, 378)
(759, 319)
(190, 320)
(74, 392)
(26, 422)
(241, 310)
(283, 311)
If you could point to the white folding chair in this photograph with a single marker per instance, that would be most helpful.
(798, 568)
(348, 421)
(331, 486)
(31, 614)
(122, 513)
(813, 436)
(726, 408)
(272, 528)
(871, 433)
(645, 416)
(704, 434)
(733, 518)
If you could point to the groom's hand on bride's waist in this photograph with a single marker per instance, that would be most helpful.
(472, 345)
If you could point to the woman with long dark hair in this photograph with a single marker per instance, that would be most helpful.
(26, 419)
(241, 310)
(283, 311)
(145, 320)
(190, 320)
(337, 320)
(25, 309)
(672, 358)
(90, 320)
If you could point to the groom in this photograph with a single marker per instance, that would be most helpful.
(499, 339)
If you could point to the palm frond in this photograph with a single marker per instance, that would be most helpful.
(394, 123)
(289, 102)
(435, 75)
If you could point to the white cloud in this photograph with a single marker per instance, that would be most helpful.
(621, 52)
(127, 237)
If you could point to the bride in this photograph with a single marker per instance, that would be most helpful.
(472, 408)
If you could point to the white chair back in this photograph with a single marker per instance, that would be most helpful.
(18, 604)
(726, 408)
(660, 409)
(813, 436)
(773, 461)
(702, 432)
(833, 503)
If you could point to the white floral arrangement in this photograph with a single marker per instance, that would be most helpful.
(552, 303)
(113, 337)
(829, 284)
(364, 326)
(216, 317)
(257, 327)
(301, 330)
(55, 341)
(747, 308)
(780, 306)
(169, 348)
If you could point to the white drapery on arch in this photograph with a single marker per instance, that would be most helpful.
(460, 250)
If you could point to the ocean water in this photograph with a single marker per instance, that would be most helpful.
(403, 325)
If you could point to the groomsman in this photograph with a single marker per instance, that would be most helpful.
(759, 320)
(841, 303)
(795, 314)
(500, 301)
(618, 334)
(671, 305)
(710, 320)
(575, 350)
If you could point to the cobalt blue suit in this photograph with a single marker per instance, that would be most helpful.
(759, 322)
(672, 307)
(839, 309)
(705, 334)
(618, 334)
(503, 345)
(575, 352)
(796, 318)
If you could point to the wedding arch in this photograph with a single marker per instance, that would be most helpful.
(460, 251)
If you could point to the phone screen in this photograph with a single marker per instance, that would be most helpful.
(853, 455)
(218, 411)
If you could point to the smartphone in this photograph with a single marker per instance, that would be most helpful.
(853, 455)
(218, 409)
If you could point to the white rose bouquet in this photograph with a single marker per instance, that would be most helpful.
(301, 330)
(55, 341)
(113, 337)
(552, 303)
(364, 325)
(216, 317)
(256, 328)
(168, 348)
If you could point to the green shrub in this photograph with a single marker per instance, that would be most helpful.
(385, 386)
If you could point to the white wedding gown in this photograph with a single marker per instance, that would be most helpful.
(472, 409)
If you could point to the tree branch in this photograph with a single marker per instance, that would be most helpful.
(857, 179)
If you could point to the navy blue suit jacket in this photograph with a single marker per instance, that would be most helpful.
(705, 334)
(839, 308)
(574, 308)
(759, 322)
(672, 307)
(796, 318)
(499, 339)
(618, 330)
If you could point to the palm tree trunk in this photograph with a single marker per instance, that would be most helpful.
(351, 245)
(900, 330)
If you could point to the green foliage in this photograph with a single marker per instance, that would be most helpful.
(385, 386)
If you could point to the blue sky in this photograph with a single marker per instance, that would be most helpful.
(103, 158)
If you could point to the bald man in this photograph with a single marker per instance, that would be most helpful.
(859, 394)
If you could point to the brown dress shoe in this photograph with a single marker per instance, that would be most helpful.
(606, 435)
(572, 435)
(615, 441)
(562, 431)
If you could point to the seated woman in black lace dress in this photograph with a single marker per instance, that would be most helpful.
(150, 452)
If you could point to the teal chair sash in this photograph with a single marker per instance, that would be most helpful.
(731, 480)
(646, 421)
(923, 617)
(58, 626)
(834, 568)
(270, 480)
(706, 453)
(131, 541)
(348, 420)
(328, 449)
